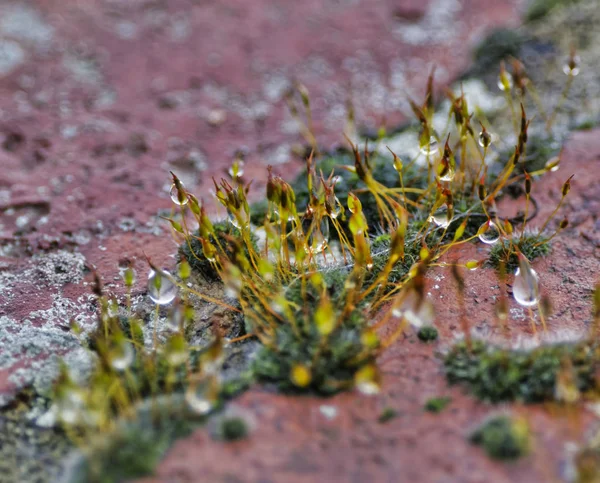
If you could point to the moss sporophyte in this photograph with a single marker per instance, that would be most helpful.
(325, 274)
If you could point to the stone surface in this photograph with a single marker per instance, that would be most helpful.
(100, 99)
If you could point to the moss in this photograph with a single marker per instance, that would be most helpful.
(437, 404)
(497, 46)
(503, 438)
(495, 374)
(538, 9)
(382, 170)
(136, 446)
(232, 428)
(333, 369)
(387, 414)
(427, 333)
(530, 245)
(587, 463)
(193, 253)
(380, 247)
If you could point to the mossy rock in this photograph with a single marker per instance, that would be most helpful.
(495, 374)
(532, 246)
(503, 438)
(191, 249)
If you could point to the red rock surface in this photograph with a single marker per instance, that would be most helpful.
(99, 99)
(294, 441)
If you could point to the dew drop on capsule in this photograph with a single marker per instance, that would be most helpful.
(197, 400)
(447, 173)
(176, 197)
(318, 237)
(429, 148)
(161, 289)
(505, 82)
(553, 164)
(233, 220)
(441, 217)
(485, 139)
(122, 356)
(526, 284)
(489, 233)
(237, 170)
(571, 66)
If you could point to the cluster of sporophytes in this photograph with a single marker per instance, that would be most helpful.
(316, 273)
(503, 437)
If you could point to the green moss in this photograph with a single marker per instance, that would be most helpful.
(232, 428)
(503, 438)
(499, 45)
(136, 446)
(530, 245)
(387, 414)
(382, 170)
(495, 374)
(437, 404)
(427, 333)
(192, 249)
(332, 365)
(538, 9)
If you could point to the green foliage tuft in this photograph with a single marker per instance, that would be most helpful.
(232, 428)
(387, 414)
(503, 438)
(530, 245)
(495, 374)
(427, 333)
(437, 404)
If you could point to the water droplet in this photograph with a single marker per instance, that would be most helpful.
(447, 172)
(70, 407)
(526, 285)
(489, 233)
(201, 396)
(441, 217)
(176, 197)
(240, 170)
(505, 82)
(122, 356)
(553, 164)
(318, 237)
(416, 310)
(429, 148)
(571, 66)
(175, 321)
(485, 139)
(335, 209)
(161, 289)
(233, 220)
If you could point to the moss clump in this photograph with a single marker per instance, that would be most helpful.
(332, 365)
(530, 245)
(500, 45)
(136, 446)
(437, 404)
(232, 428)
(427, 333)
(382, 170)
(192, 248)
(538, 9)
(503, 438)
(387, 414)
(495, 374)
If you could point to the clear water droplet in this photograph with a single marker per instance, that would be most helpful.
(335, 209)
(122, 356)
(233, 220)
(175, 321)
(71, 407)
(440, 217)
(429, 148)
(318, 236)
(240, 169)
(485, 139)
(161, 289)
(417, 312)
(490, 234)
(447, 173)
(553, 164)
(505, 82)
(176, 197)
(200, 396)
(571, 66)
(526, 285)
